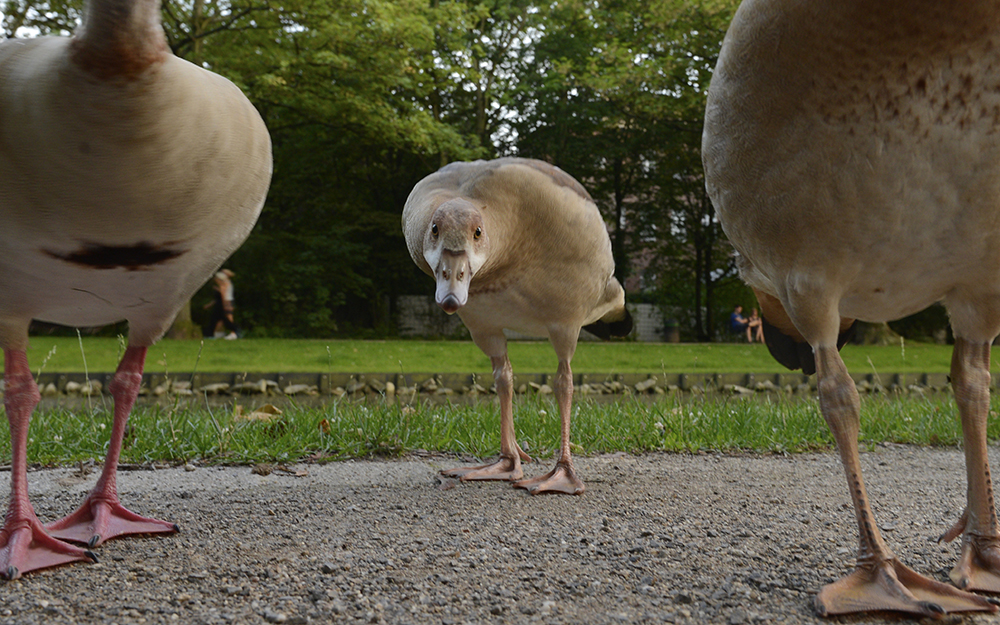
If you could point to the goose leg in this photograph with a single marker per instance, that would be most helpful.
(880, 581)
(101, 517)
(24, 544)
(508, 465)
(563, 478)
(978, 567)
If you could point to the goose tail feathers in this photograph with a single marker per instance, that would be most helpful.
(616, 324)
(795, 353)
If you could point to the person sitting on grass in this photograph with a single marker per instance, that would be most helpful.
(755, 327)
(738, 323)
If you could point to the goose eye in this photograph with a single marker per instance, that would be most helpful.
(479, 232)
(434, 229)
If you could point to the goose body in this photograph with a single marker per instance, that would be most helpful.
(851, 152)
(106, 187)
(128, 177)
(517, 244)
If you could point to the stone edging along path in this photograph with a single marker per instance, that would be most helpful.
(445, 384)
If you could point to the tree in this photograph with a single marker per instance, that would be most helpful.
(692, 259)
(474, 65)
(614, 92)
(51, 17)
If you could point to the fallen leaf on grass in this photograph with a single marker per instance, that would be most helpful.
(268, 413)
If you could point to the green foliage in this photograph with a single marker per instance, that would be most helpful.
(930, 324)
(52, 17)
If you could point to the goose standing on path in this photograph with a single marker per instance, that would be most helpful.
(518, 244)
(128, 177)
(852, 149)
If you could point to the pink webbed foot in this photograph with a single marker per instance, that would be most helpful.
(27, 547)
(100, 519)
(978, 567)
(561, 479)
(891, 585)
(505, 468)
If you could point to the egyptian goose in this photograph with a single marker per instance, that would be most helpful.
(128, 176)
(518, 244)
(851, 151)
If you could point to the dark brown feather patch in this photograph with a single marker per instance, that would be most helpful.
(131, 257)
(609, 328)
(797, 354)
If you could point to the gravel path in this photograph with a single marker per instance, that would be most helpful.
(656, 538)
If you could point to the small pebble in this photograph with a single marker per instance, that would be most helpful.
(274, 617)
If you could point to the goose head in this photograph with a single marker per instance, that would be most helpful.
(456, 245)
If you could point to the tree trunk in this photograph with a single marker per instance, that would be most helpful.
(622, 268)
(876, 334)
(707, 212)
(699, 328)
(183, 327)
(197, 29)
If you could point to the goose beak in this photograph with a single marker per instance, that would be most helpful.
(450, 304)
(453, 277)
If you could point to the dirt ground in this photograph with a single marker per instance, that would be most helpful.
(657, 538)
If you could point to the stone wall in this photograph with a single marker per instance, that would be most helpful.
(648, 320)
(420, 317)
(411, 385)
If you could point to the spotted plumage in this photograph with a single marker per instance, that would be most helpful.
(851, 151)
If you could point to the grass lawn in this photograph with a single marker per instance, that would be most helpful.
(318, 355)
(194, 431)
(189, 431)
